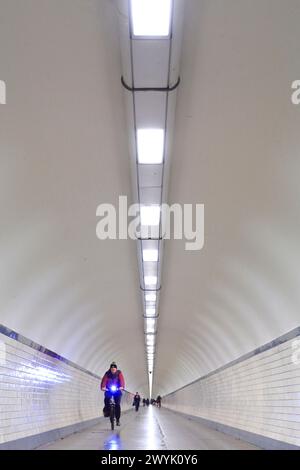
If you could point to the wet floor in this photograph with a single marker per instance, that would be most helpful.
(150, 429)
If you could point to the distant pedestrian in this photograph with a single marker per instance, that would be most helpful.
(136, 401)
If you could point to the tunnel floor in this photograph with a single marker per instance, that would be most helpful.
(150, 429)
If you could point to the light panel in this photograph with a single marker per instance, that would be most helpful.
(151, 17)
(150, 297)
(150, 215)
(150, 255)
(150, 329)
(150, 280)
(150, 341)
(150, 312)
(150, 146)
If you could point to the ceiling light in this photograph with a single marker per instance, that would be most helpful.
(150, 341)
(150, 255)
(150, 146)
(150, 297)
(150, 329)
(150, 215)
(150, 280)
(150, 312)
(151, 17)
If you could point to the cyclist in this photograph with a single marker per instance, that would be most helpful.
(113, 376)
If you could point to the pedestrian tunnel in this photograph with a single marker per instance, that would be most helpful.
(149, 215)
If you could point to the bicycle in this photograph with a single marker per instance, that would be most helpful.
(112, 405)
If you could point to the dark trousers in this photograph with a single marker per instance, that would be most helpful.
(137, 405)
(117, 396)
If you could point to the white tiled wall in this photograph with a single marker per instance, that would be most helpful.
(39, 393)
(260, 395)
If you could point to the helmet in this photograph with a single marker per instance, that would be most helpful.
(113, 364)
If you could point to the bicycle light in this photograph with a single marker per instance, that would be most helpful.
(113, 388)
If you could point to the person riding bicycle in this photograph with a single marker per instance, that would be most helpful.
(113, 376)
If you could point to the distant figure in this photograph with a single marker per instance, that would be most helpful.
(144, 401)
(158, 401)
(136, 401)
(147, 402)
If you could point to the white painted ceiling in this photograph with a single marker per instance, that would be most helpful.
(64, 150)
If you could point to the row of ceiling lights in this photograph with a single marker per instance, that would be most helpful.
(150, 19)
(150, 36)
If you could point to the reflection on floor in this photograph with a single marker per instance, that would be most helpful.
(150, 429)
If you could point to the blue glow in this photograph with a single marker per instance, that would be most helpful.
(113, 388)
(113, 443)
(44, 374)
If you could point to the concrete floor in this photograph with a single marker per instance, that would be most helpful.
(149, 429)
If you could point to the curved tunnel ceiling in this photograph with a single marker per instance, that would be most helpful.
(236, 150)
(64, 151)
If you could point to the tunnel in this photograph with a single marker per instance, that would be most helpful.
(150, 219)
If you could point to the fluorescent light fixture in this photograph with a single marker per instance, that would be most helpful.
(150, 338)
(150, 342)
(150, 255)
(150, 146)
(151, 17)
(150, 297)
(150, 329)
(150, 280)
(150, 215)
(150, 312)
